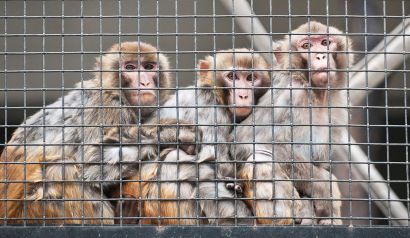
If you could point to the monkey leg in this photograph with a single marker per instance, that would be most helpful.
(319, 184)
(169, 197)
(307, 213)
(219, 205)
(269, 192)
(48, 192)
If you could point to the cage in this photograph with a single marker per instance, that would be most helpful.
(79, 148)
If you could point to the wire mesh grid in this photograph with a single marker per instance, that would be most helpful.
(87, 150)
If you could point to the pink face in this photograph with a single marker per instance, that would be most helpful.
(140, 78)
(241, 96)
(318, 52)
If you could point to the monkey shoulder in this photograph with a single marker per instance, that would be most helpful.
(184, 101)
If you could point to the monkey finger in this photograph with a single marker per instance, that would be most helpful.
(234, 186)
(190, 149)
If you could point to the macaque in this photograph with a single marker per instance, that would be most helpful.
(297, 125)
(53, 169)
(196, 189)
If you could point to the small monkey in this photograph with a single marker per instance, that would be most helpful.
(193, 189)
(52, 170)
(308, 121)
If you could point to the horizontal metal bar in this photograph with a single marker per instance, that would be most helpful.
(196, 16)
(204, 231)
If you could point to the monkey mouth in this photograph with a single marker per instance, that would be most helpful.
(321, 70)
(145, 99)
(242, 111)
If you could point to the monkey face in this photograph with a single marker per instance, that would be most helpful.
(241, 84)
(140, 79)
(317, 51)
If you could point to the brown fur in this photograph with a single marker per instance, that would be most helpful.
(52, 182)
(179, 199)
(307, 160)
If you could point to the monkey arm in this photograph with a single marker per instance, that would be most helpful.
(173, 133)
(128, 145)
(320, 184)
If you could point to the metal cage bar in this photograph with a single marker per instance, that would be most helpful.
(50, 45)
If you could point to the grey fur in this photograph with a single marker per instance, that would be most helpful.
(287, 124)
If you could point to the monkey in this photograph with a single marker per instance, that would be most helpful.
(53, 169)
(297, 125)
(194, 189)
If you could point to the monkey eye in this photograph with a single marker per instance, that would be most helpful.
(231, 76)
(149, 66)
(306, 45)
(326, 42)
(250, 78)
(130, 67)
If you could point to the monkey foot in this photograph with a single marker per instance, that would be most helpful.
(127, 210)
(329, 222)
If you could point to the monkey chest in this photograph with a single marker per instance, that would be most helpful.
(316, 134)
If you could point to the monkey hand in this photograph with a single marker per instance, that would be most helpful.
(173, 133)
(127, 210)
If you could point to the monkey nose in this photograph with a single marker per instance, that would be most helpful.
(145, 84)
(243, 97)
(320, 56)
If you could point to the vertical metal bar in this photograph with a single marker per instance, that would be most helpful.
(177, 104)
(310, 107)
(406, 126)
(100, 112)
(367, 110)
(44, 111)
(63, 198)
(349, 134)
(215, 115)
(25, 108)
(234, 66)
(139, 111)
(5, 163)
(197, 201)
(386, 101)
(329, 111)
(292, 154)
(273, 117)
(158, 180)
(120, 198)
(82, 159)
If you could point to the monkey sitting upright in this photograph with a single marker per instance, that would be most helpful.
(51, 169)
(309, 119)
(194, 191)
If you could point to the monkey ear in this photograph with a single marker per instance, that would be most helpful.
(278, 54)
(203, 66)
(97, 64)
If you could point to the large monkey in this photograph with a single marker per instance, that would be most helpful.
(193, 188)
(53, 172)
(308, 121)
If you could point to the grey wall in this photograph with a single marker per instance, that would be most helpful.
(36, 42)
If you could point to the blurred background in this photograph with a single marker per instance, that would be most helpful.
(46, 46)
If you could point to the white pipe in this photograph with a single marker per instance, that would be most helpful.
(379, 190)
(249, 23)
(388, 55)
(390, 203)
